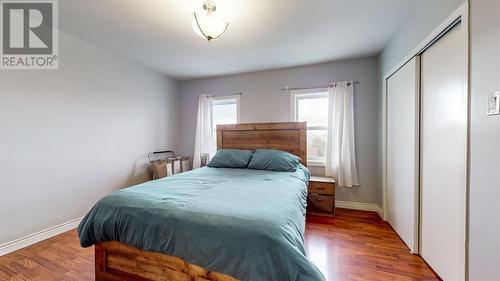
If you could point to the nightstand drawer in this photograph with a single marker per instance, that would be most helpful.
(321, 203)
(323, 188)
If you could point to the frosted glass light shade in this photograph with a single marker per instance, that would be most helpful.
(208, 26)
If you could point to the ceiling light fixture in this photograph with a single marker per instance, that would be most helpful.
(209, 26)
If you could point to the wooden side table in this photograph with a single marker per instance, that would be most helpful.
(321, 196)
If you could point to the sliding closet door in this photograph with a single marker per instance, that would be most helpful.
(444, 154)
(402, 152)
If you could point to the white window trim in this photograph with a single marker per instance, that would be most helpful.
(225, 99)
(221, 99)
(316, 163)
(308, 93)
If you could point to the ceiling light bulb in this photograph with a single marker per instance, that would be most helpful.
(208, 26)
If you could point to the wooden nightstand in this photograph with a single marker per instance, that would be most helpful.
(321, 196)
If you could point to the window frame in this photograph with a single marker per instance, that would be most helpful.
(295, 96)
(221, 100)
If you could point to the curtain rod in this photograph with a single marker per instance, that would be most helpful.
(310, 88)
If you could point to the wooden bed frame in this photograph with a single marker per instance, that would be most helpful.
(116, 261)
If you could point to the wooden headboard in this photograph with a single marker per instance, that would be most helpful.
(286, 136)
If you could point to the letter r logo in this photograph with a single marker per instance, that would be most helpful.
(27, 28)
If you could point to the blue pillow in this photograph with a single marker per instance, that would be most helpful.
(274, 160)
(231, 158)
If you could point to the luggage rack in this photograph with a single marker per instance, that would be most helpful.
(165, 163)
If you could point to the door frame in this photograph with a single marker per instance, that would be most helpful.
(460, 15)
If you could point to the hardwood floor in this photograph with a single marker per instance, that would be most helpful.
(57, 258)
(353, 245)
(356, 245)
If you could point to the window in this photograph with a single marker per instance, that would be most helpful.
(225, 111)
(311, 106)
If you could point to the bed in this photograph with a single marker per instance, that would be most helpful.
(209, 223)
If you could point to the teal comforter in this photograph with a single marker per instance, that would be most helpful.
(245, 223)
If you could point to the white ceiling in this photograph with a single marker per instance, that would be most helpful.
(262, 34)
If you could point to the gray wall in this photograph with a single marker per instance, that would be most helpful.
(263, 101)
(484, 201)
(425, 17)
(70, 136)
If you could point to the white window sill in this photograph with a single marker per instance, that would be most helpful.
(316, 164)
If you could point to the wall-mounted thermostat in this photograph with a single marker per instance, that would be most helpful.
(494, 103)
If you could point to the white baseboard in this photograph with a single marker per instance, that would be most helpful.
(360, 206)
(36, 237)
